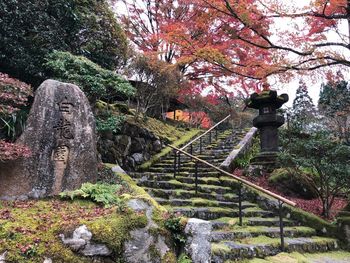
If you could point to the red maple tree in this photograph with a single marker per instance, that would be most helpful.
(13, 95)
(220, 43)
(202, 38)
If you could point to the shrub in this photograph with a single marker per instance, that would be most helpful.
(13, 96)
(106, 194)
(111, 123)
(95, 81)
(296, 184)
(326, 158)
(32, 29)
(175, 226)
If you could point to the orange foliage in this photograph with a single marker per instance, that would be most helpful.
(195, 118)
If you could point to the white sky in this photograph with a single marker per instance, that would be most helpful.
(315, 84)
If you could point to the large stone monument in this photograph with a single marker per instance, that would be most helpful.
(268, 121)
(60, 133)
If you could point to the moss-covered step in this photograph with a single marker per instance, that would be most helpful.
(271, 221)
(232, 223)
(200, 202)
(209, 213)
(203, 179)
(179, 193)
(296, 257)
(175, 184)
(249, 231)
(263, 246)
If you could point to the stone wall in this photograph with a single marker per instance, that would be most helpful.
(132, 146)
(241, 149)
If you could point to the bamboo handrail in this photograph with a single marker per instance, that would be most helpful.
(276, 196)
(200, 136)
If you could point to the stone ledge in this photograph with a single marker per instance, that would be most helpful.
(242, 148)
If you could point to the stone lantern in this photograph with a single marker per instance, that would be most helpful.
(268, 121)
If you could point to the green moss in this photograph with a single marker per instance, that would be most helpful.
(220, 249)
(296, 257)
(31, 230)
(114, 230)
(311, 220)
(183, 258)
(154, 253)
(261, 240)
(184, 138)
(169, 257)
(139, 193)
(279, 175)
(203, 202)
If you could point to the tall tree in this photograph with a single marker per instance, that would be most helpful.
(29, 30)
(156, 82)
(334, 103)
(303, 111)
(202, 38)
(226, 40)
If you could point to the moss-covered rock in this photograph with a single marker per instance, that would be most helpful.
(292, 184)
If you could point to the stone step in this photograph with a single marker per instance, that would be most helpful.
(241, 232)
(269, 221)
(263, 246)
(169, 176)
(188, 169)
(274, 221)
(190, 179)
(210, 213)
(189, 164)
(200, 202)
(174, 184)
(185, 194)
(184, 158)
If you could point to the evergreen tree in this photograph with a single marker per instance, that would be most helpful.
(334, 103)
(30, 30)
(303, 112)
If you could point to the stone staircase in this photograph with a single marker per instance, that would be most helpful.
(216, 200)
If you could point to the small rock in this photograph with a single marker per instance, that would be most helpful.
(198, 240)
(74, 244)
(157, 145)
(81, 243)
(3, 257)
(82, 232)
(47, 260)
(96, 250)
(138, 157)
(118, 169)
(138, 205)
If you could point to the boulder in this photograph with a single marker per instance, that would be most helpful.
(60, 132)
(143, 246)
(157, 146)
(81, 243)
(198, 240)
(138, 157)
